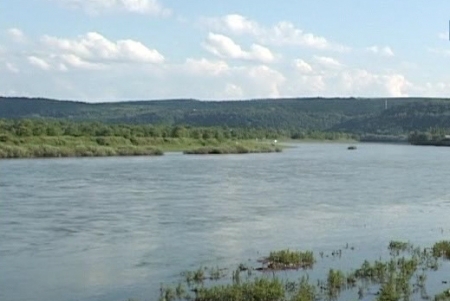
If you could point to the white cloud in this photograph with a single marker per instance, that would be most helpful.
(359, 82)
(434, 89)
(12, 68)
(383, 51)
(328, 62)
(76, 62)
(268, 81)
(17, 35)
(233, 91)
(224, 47)
(96, 48)
(397, 85)
(235, 24)
(283, 33)
(39, 63)
(204, 66)
(150, 7)
(286, 33)
(311, 84)
(92, 67)
(302, 66)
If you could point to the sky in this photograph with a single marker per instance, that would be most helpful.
(111, 50)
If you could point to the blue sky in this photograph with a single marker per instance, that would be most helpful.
(108, 50)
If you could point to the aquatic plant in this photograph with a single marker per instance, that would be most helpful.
(197, 276)
(215, 273)
(395, 279)
(444, 296)
(258, 289)
(441, 249)
(285, 259)
(335, 282)
(305, 291)
(398, 246)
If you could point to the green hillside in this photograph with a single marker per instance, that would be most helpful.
(352, 115)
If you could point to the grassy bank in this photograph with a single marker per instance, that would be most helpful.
(85, 146)
(241, 147)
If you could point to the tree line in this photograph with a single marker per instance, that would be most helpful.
(54, 128)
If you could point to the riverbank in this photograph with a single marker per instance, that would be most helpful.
(432, 143)
(69, 146)
(236, 147)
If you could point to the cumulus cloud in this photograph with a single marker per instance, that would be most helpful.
(383, 51)
(224, 47)
(434, 89)
(93, 66)
(89, 52)
(17, 35)
(39, 63)
(233, 91)
(204, 66)
(94, 47)
(328, 62)
(364, 82)
(150, 7)
(397, 85)
(268, 80)
(283, 33)
(235, 24)
(302, 66)
(76, 62)
(12, 68)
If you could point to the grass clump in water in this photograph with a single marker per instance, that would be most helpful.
(398, 246)
(444, 296)
(336, 281)
(442, 249)
(305, 291)
(258, 289)
(286, 259)
(396, 279)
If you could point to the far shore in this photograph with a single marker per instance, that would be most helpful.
(70, 147)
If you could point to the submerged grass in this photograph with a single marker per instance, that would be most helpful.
(256, 289)
(396, 279)
(442, 249)
(398, 246)
(444, 296)
(287, 259)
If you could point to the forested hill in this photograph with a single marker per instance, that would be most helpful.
(356, 115)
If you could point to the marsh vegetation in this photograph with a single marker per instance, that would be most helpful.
(403, 276)
(50, 138)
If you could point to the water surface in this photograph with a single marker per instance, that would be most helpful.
(115, 228)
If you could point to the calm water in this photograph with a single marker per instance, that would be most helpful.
(114, 228)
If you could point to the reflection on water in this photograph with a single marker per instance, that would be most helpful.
(114, 228)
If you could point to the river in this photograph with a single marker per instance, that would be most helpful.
(116, 228)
